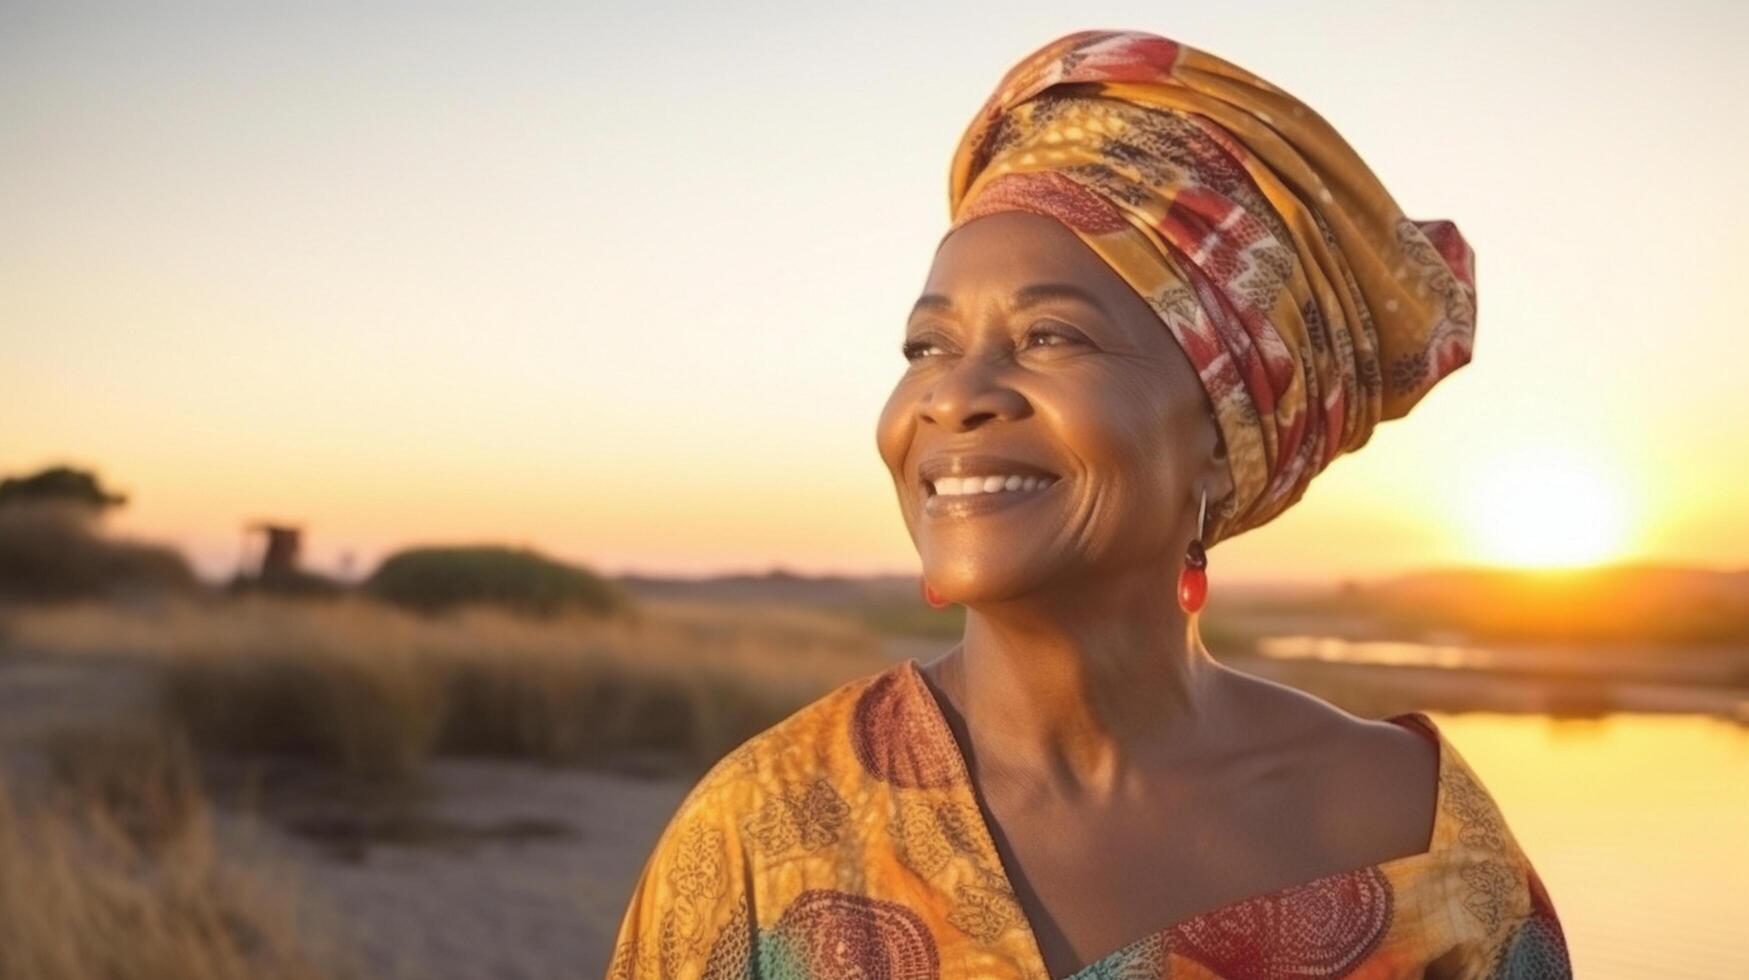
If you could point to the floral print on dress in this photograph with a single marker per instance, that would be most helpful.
(872, 859)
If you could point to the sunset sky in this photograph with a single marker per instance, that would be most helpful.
(628, 285)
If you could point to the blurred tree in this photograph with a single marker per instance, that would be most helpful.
(51, 548)
(59, 484)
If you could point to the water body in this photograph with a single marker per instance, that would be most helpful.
(1639, 826)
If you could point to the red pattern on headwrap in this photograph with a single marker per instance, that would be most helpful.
(1310, 306)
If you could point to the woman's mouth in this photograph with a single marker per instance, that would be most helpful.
(956, 496)
(965, 486)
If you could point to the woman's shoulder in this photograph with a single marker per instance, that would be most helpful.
(1467, 815)
(1501, 919)
(1504, 917)
(806, 759)
(1330, 759)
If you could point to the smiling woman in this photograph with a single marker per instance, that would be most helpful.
(1169, 296)
(1075, 381)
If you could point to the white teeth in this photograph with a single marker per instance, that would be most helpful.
(959, 486)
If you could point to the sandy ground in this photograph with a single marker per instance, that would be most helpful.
(539, 890)
(517, 872)
(495, 870)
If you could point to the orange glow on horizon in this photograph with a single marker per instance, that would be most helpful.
(640, 323)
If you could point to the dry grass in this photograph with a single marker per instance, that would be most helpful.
(377, 690)
(143, 780)
(115, 874)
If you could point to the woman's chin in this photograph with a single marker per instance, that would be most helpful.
(1012, 582)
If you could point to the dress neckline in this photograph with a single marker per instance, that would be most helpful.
(1416, 721)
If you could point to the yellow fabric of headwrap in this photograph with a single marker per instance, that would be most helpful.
(1311, 307)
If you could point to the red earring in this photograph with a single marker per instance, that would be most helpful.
(933, 597)
(1193, 580)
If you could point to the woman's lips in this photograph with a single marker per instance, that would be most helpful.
(935, 467)
(974, 504)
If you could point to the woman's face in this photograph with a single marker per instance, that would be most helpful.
(1027, 353)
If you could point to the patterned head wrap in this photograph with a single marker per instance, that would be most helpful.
(1310, 306)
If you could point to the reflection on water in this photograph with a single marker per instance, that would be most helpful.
(1567, 679)
(1639, 826)
(1389, 653)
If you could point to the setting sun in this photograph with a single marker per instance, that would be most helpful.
(1543, 509)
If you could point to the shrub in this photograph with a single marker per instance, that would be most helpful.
(119, 874)
(376, 691)
(52, 550)
(435, 579)
(296, 583)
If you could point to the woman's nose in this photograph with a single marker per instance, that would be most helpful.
(969, 394)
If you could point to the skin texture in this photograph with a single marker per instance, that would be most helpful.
(1130, 780)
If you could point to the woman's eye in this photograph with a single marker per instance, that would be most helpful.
(1058, 335)
(913, 349)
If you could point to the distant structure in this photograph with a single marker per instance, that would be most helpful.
(279, 560)
(278, 569)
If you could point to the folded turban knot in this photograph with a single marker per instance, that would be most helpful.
(1309, 305)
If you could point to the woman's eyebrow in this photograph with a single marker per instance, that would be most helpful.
(1044, 291)
(1024, 297)
(934, 302)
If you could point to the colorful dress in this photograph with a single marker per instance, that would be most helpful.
(846, 842)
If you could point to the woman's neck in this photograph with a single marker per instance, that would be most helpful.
(1083, 691)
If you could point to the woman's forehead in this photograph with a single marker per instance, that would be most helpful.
(1016, 251)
